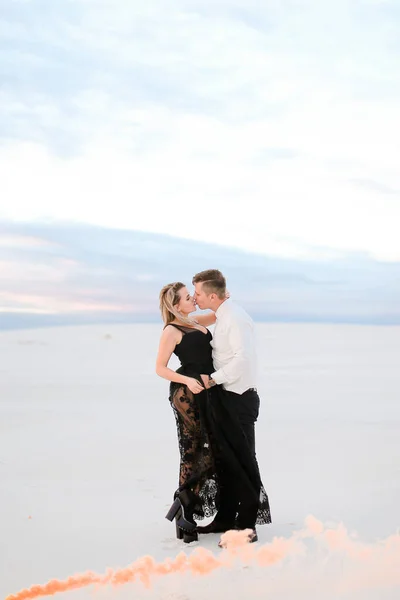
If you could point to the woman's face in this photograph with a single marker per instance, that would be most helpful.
(186, 303)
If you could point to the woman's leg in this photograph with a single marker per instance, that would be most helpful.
(197, 468)
(189, 434)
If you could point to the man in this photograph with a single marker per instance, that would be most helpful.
(234, 359)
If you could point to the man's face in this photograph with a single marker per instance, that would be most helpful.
(202, 300)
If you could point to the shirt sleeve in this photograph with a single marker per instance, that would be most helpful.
(240, 341)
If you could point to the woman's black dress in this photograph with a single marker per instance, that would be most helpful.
(209, 433)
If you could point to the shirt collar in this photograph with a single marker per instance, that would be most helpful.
(222, 308)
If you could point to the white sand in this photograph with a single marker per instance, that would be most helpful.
(88, 450)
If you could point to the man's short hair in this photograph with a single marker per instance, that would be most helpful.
(213, 282)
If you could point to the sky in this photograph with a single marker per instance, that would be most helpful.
(60, 274)
(271, 127)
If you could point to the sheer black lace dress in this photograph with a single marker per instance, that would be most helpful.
(210, 434)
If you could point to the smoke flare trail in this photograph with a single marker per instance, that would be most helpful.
(373, 564)
(200, 562)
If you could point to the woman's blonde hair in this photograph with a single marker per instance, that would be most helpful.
(169, 298)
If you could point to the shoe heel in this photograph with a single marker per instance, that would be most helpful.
(190, 537)
(173, 511)
(179, 532)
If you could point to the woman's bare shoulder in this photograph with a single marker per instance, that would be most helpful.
(170, 332)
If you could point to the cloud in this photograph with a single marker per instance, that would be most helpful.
(21, 241)
(376, 186)
(233, 121)
(75, 273)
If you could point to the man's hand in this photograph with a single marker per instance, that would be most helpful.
(205, 379)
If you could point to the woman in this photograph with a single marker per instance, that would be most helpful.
(190, 341)
(209, 432)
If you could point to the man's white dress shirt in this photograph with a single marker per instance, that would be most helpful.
(234, 353)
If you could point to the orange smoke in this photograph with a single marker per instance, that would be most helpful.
(200, 562)
(372, 564)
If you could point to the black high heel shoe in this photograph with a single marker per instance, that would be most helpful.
(185, 501)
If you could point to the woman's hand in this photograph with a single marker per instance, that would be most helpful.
(193, 385)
